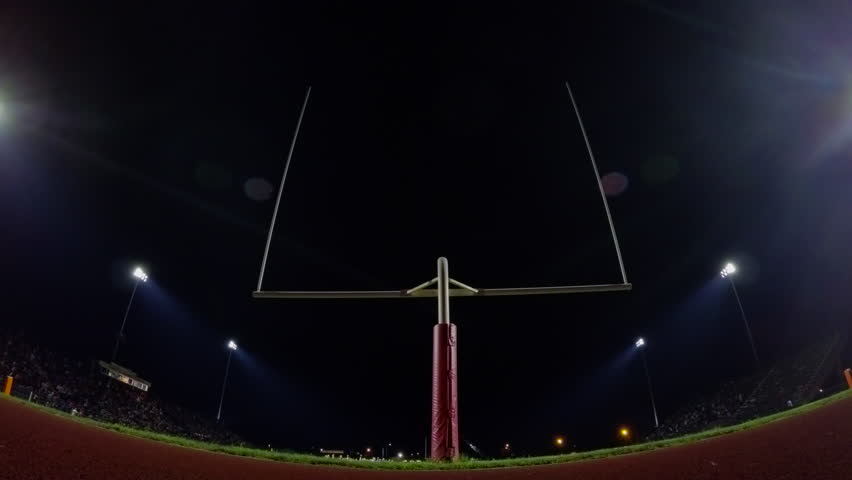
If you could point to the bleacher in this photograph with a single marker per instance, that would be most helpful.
(792, 381)
(78, 387)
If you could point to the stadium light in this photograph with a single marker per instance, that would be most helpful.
(728, 272)
(140, 275)
(640, 344)
(232, 346)
(399, 455)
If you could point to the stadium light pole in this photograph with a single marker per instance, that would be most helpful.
(728, 272)
(140, 276)
(641, 344)
(231, 347)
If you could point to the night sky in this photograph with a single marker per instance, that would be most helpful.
(157, 136)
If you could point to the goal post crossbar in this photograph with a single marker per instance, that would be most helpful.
(454, 292)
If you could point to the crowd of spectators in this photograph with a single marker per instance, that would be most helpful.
(788, 383)
(80, 388)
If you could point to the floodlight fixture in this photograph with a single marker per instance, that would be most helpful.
(140, 274)
(232, 345)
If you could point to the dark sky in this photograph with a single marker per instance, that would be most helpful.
(156, 136)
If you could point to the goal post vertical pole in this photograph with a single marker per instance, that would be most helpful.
(445, 429)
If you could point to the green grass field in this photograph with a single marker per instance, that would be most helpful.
(464, 464)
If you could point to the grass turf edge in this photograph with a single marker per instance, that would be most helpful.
(428, 465)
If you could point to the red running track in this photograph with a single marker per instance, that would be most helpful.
(815, 445)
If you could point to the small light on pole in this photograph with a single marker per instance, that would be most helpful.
(232, 347)
(140, 275)
(641, 345)
(728, 272)
(399, 455)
